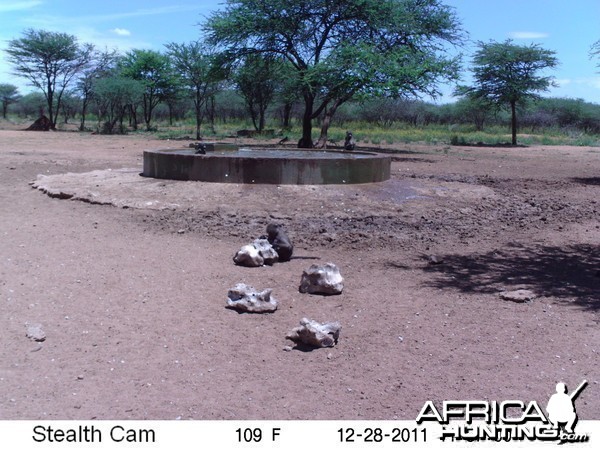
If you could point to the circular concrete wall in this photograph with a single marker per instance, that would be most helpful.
(268, 166)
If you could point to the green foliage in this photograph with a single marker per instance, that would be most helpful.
(102, 64)
(113, 95)
(154, 71)
(9, 94)
(30, 105)
(257, 79)
(458, 140)
(343, 48)
(506, 72)
(200, 73)
(69, 105)
(50, 61)
(473, 109)
(507, 75)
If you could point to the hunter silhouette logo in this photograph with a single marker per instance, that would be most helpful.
(509, 420)
(561, 407)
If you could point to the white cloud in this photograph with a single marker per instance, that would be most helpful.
(48, 20)
(112, 40)
(121, 31)
(18, 6)
(527, 35)
(563, 81)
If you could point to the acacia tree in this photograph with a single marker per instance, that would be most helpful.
(154, 71)
(114, 95)
(102, 62)
(50, 61)
(195, 64)
(507, 74)
(257, 80)
(31, 104)
(8, 94)
(343, 48)
(473, 109)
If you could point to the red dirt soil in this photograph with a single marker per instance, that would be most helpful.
(132, 297)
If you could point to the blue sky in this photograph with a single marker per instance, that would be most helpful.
(567, 27)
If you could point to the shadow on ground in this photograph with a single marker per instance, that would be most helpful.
(590, 181)
(570, 273)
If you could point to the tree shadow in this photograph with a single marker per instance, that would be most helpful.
(589, 181)
(570, 273)
(493, 145)
(305, 257)
(393, 151)
(242, 312)
(415, 160)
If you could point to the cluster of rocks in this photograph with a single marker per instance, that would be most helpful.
(256, 254)
(268, 249)
(324, 279)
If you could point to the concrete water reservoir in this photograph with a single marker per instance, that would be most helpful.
(267, 166)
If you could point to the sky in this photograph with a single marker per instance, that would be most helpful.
(568, 28)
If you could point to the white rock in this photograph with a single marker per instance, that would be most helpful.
(35, 332)
(266, 250)
(248, 256)
(256, 254)
(519, 296)
(322, 279)
(247, 299)
(315, 334)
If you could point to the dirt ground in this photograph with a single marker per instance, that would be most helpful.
(129, 285)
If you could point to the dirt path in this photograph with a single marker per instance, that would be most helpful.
(132, 298)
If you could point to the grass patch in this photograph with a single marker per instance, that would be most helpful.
(368, 134)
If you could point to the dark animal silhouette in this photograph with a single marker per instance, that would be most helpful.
(349, 143)
(280, 241)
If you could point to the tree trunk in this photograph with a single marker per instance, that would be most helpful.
(133, 122)
(210, 110)
(83, 113)
(58, 108)
(261, 120)
(253, 114)
(50, 100)
(306, 139)
(121, 117)
(287, 113)
(148, 110)
(513, 110)
(326, 122)
(198, 121)
(198, 108)
(322, 142)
